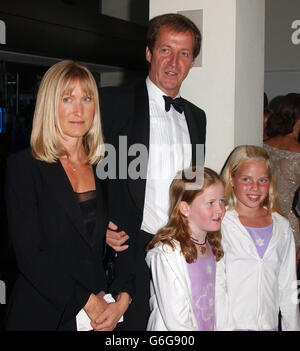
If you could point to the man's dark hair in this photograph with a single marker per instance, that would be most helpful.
(177, 23)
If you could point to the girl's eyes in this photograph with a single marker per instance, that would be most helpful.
(263, 180)
(245, 179)
(66, 99)
(211, 203)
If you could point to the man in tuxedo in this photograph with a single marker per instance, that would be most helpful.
(149, 122)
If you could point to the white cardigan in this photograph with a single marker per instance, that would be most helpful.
(249, 290)
(170, 290)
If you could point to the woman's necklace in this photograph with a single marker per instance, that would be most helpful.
(73, 165)
(73, 168)
(202, 247)
(68, 164)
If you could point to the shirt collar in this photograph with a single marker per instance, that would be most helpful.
(156, 94)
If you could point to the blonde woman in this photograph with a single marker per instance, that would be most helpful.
(257, 275)
(57, 211)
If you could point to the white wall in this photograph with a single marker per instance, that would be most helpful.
(229, 85)
(282, 49)
(249, 72)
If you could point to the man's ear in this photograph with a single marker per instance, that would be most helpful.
(148, 54)
(184, 208)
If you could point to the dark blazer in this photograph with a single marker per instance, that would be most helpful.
(125, 112)
(59, 264)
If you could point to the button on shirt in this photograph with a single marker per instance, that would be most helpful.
(169, 152)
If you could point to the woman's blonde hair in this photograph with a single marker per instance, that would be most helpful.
(187, 188)
(61, 78)
(246, 153)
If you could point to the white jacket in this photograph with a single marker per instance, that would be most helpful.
(249, 290)
(170, 290)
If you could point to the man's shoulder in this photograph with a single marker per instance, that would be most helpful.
(124, 89)
(116, 89)
(193, 107)
(118, 107)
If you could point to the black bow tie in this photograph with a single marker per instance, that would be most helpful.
(177, 103)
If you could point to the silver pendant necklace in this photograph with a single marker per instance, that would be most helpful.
(72, 167)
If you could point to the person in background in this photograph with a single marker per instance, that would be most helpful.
(283, 148)
(57, 211)
(267, 114)
(256, 278)
(296, 203)
(171, 130)
(182, 255)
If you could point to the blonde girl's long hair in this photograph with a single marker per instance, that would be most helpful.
(58, 80)
(246, 153)
(186, 188)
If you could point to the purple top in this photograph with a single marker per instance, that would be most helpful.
(261, 238)
(203, 275)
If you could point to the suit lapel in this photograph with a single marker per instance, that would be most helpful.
(60, 187)
(140, 135)
(197, 134)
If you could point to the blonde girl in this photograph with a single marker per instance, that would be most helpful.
(257, 275)
(182, 254)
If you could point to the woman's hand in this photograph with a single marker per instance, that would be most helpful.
(95, 305)
(108, 320)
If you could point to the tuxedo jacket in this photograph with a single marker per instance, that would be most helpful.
(125, 112)
(59, 263)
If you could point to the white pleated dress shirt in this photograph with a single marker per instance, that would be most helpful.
(169, 152)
